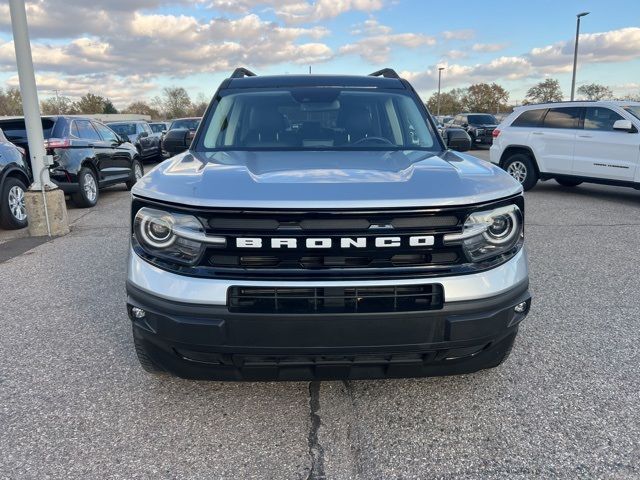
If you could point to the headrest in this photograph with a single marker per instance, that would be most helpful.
(266, 120)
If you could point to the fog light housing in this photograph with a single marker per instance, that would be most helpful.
(520, 308)
(138, 312)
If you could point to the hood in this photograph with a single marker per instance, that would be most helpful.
(325, 179)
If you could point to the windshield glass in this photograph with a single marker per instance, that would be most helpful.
(317, 119)
(482, 119)
(123, 128)
(633, 110)
(188, 123)
(157, 127)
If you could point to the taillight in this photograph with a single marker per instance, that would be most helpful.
(495, 133)
(57, 143)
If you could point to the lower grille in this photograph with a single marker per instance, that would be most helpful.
(325, 300)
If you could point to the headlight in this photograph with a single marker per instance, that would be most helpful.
(489, 233)
(173, 236)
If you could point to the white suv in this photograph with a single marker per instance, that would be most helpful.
(571, 142)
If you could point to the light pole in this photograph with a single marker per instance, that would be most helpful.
(439, 81)
(575, 53)
(44, 202)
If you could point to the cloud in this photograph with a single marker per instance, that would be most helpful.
(379, 40)
(488, 47)
(605, 47)
(466, 34)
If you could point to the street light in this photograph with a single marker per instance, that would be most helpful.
(575, 53)
(439, 80)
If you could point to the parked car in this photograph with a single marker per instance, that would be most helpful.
(87, 155)
(571, 142)
(15, 177)
(479, 126)
(140, 134)
(179, 136)
(353, 246)
(160, 127)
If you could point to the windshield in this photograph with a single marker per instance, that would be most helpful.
(482, 119)
(317, 119)
(188, 123)
(633, 110)
(157, 127)
(123, 128)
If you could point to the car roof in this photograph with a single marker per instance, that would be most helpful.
(354, 81)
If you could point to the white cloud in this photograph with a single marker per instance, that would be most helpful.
(488, 47)
(379, 40)
(465, 34)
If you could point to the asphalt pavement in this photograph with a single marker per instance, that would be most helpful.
(75, 404)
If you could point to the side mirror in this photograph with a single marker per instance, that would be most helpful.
(143, 135)
(458, 140)
(624, 125)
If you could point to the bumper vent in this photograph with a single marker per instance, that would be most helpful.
(325, 300)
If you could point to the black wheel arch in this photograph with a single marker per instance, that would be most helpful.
(14, 172)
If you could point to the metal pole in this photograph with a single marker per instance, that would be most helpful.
(30, 105)
(575, 53)
(439, 81)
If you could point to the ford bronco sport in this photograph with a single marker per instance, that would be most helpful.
(316, 228)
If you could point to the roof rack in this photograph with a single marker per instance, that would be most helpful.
(242, 72)
(386, 73)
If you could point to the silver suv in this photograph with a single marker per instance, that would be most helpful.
(318, 228)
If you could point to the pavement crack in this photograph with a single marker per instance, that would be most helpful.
(316, 452)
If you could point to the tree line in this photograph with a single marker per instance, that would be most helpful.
(174, 102)
(492, 98)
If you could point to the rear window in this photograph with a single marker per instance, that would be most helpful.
(15, 129)
(562, 118)
(482, 119)
(529, 118)
(123, 128)
(189, 124)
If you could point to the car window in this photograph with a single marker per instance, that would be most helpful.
(15, 129)
(123, 128)
(530, 118)
(599, 118)
(86, 130)
(157, 127)
(633, 110)
(567, 117)
(190, 124)
(482, 119)
(106, 133)
(318, 118)
(146, 128)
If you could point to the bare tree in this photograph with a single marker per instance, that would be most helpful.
(143, 108)
(547, 91)
(58, 105)
(595, 91)
(10, 101)
(174, 102)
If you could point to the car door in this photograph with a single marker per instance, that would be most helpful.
(154, 139)
(554, 141)
(102, 151)
(146, 142)
(601, 151)
(121, 161)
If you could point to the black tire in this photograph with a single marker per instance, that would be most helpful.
(522, 165)
(135, 164)
(12, 211)
(86, 197)
(568, 183)
(147, 364)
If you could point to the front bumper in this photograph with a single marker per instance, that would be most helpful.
(204, 340)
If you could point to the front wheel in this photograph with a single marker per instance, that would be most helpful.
(137, 172)
(87, 196)
(520, 166)
(13, 213)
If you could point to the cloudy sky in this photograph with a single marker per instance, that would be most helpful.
(130, 49)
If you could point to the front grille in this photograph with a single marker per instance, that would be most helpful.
(326, 300)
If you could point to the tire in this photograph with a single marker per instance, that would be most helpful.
(147, 364)
(13, 214)
(89, 192)
(137, 171)
(521, 167)
(568, 183)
